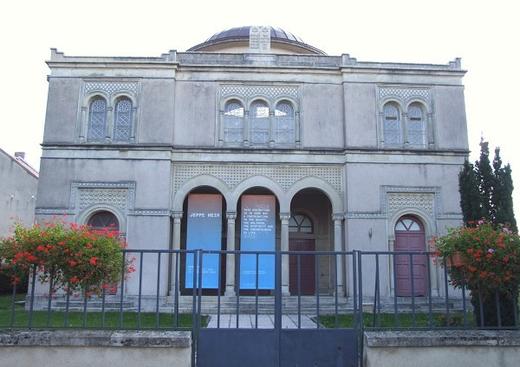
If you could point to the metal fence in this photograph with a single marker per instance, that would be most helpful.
(324, 290)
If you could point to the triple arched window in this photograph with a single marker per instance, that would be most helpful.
(260, 125)
(405, 129)
(107, 123)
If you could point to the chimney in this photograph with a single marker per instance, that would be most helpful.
(20, 155)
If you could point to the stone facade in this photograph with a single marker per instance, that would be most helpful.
(295, 124)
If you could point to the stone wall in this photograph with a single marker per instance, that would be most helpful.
(17, 193)
(447, 348)
(82, 348)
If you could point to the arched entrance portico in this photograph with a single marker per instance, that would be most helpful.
(311, 229)
(203, 227)
(302, 267)
(257, 228)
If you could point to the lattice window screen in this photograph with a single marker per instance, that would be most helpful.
(123, 120)
(284, 123)
(97, 120)
(392, 125)
(233, 122)
(416, 126)
(260, 124)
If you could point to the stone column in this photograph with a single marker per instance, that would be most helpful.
(109, 124)
(247, 128)
(84, 125)
(272, 128)
(176, 245)
(284, 246)
(230, 258)
(429, 131)
(338, 241)
(381, 127)
(221, 129)
(133, 126)
(404, 129)
(297, 128)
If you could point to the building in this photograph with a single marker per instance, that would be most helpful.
(264, 142)
(17, 192)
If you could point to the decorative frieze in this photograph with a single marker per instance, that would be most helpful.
(120, 195)
(113, 197)
(285, 176)
(110, 88)
(405, 94)
(151, 212)
(250, 91)
(422, 201)
(424, 198)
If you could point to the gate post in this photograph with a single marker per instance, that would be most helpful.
(278, 303)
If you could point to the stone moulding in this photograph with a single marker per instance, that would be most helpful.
(97, 338)
(442, 338)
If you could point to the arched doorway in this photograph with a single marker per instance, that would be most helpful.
(410, 237)
(257, 230)
(310, 230)
(203, 227)
(302, 267)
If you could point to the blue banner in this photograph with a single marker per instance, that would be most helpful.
(257, 234)
(204, 232)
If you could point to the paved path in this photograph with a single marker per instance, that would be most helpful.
(264, 321)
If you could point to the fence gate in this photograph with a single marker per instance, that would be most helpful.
(274, 344)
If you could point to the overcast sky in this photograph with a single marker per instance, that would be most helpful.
(484, 33)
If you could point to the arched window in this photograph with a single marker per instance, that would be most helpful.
(103, 219)
(259, 120)
(233, 122)
(123, 120)
(416, 126)
(408, 224)
(300, 223)
(284, 123)
(97, 119)
(392, 125)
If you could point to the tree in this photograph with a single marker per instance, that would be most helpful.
(503, 193)
(486, 183)
(486, 193)
(486, 190)
(469, 194)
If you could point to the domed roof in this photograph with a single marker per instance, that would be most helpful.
(241, 34)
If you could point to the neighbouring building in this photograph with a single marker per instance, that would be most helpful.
(256, 140)
(18, 187)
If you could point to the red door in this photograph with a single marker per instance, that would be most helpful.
(307, 267)
(409, 236)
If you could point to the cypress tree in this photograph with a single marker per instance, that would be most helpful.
(503, 193)
(486, 190)
(469, 194)
(486, 182)
(507, 202)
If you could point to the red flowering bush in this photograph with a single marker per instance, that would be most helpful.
(74, 257)
(489, 257)
(486, 260)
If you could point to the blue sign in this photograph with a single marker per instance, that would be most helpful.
(257, 234)
(205, 233)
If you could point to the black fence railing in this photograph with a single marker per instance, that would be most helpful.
(189, 290)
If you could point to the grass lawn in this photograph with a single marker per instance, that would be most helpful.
(403, 320)
(94, 320)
